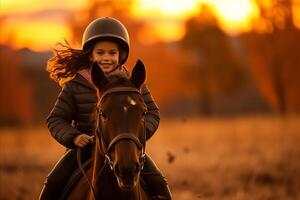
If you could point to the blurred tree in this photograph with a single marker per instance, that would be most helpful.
(216, 69)
(275, 58)
(15, 92)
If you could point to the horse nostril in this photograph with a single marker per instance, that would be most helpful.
(118, 170)
(137, 167)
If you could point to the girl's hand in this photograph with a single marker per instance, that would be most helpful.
(82, 140)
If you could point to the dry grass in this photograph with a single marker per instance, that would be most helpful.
(249, 158)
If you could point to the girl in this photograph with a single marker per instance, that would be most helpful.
(72, 120)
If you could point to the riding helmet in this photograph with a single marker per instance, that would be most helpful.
(107, 28)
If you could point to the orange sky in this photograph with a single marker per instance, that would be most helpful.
(39, 24)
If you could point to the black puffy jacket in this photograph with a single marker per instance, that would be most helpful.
(74, 112)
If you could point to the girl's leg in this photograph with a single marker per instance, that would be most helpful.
(156, 182)
(60, 174)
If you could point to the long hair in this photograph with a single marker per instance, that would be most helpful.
(66, 62)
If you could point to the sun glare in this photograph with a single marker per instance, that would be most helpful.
(167, 32)
(296, 14)
(235, 17)
(164, 19)
(14, 6)
(169, 8)
(36, 35)
(27, 6)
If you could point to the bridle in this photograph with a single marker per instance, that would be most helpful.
(123, 136)
(105, 145)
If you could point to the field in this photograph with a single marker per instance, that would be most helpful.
(249, 158)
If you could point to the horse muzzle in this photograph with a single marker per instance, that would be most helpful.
(127, 178)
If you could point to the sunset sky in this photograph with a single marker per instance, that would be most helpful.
(38, 25)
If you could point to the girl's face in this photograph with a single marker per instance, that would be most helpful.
(106, 54)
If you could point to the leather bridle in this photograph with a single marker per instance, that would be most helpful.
(105, 145)
(123, 136)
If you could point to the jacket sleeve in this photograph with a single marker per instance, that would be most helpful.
(60, 118)
(152, 117)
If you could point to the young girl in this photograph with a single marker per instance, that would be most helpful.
(72, 121)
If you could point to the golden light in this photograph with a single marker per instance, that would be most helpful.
(15, 6)
(164, 19)
(296, 14)
(37, 35)
(167, 8)
(235, 16)
(167, 17)
(27, 6)
(23, 26)
(167, 32)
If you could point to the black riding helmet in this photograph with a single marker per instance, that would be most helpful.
(107, 28)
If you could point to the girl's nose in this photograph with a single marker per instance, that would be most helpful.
(105, 56)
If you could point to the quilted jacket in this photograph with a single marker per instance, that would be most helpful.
(74, 112)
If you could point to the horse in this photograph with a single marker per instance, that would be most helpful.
(119, 150)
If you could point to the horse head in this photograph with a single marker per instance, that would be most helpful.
(121, 123)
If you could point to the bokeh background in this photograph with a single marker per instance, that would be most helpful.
(225, 74)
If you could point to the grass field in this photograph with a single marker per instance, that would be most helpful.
(250, 158)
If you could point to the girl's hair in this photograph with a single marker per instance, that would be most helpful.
(66, 62)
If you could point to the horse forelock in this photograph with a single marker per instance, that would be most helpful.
(116, 80)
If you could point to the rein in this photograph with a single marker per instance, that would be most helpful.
(123, 136)
(83, 172)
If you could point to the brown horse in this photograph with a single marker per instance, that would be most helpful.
(120, 143)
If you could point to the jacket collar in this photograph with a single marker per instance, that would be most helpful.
(81, 80)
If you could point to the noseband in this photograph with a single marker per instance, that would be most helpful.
(123, 136)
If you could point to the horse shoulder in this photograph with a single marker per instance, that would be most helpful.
(81, 190)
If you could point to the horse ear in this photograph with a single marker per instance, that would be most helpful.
(138, 75)
(98, 77)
